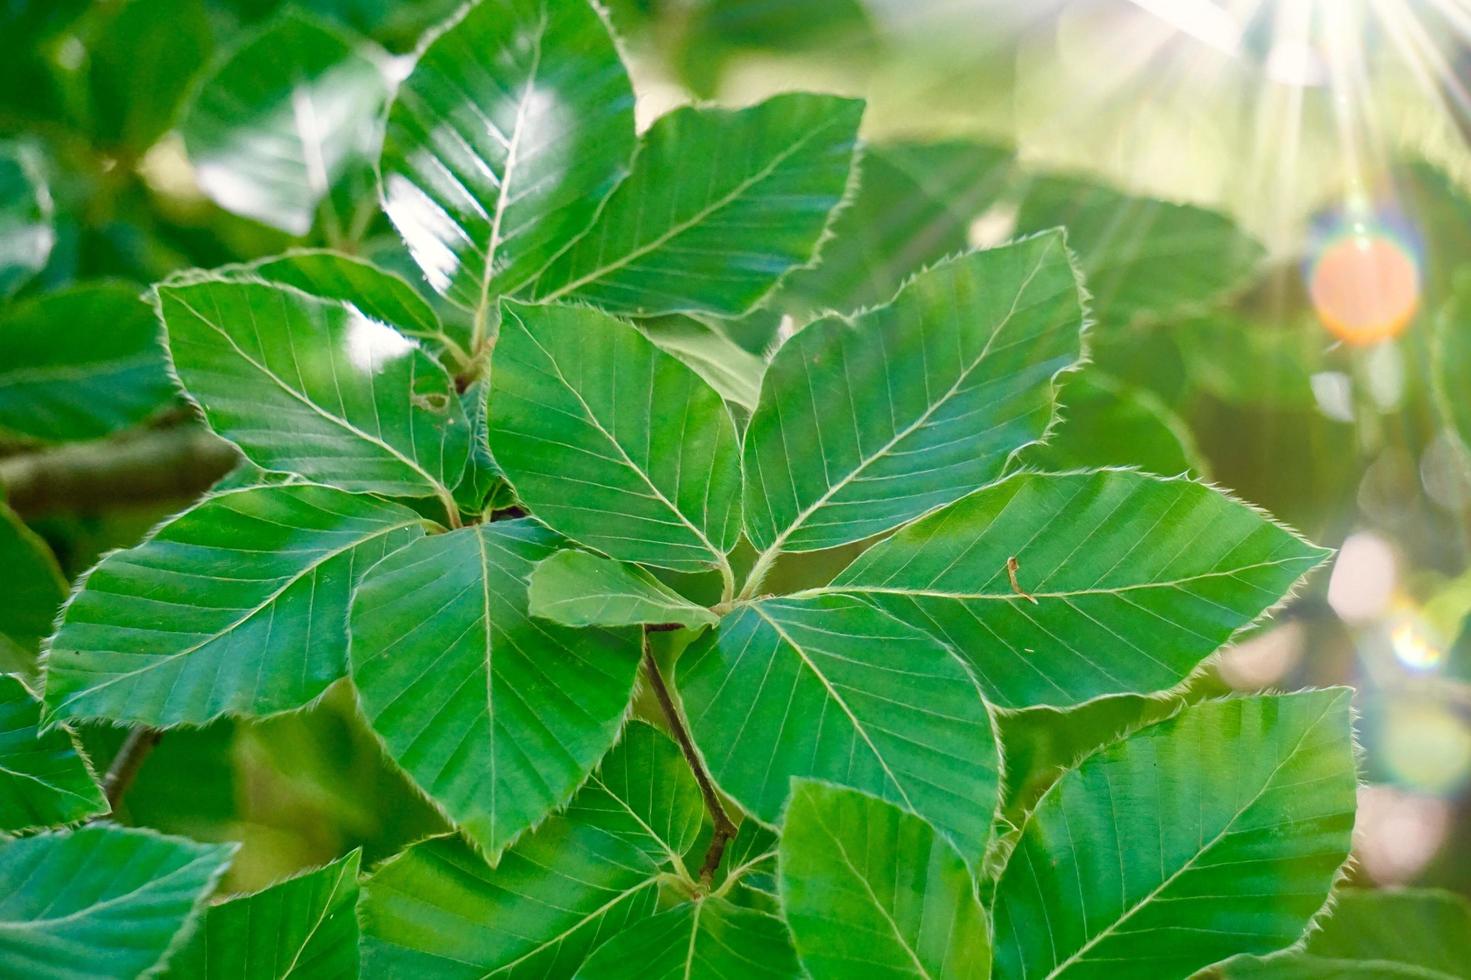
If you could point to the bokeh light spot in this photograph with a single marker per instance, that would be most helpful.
(1365, 286)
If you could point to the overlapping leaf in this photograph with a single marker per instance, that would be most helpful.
(720, 204)
(1124, 581)
(1108, 423)
(304, 928)
(831, 688)
(728, 368)
(238, 606)
(575, 588)
(1452, 361)
(872, 891)
(109, 374)
(864, 425)
(315, 387)
(27, 234)
(497, 716)
(44, 780)
(34, 589)
(514, 126)
(613, 442)
(100, 902)
(1215, 833)
(581, 877)
(709, 937)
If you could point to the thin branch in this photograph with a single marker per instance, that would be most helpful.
(128, 761)
(724, 828)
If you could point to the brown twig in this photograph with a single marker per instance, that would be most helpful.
(1011, 569)
(127, 762)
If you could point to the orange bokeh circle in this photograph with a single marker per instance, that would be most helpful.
(1365, 288)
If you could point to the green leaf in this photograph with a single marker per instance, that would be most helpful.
(282, 118)
(1451, 361)
(872, 891)
(483, 487)
(726, 366)
(575, 588)
(613, 442)
(109, 375)
(26, 231)
(497, 716)
(1415, 934)
(831, 688)
(1108, 423)
(864, 425)
(1253, 362)
(514, 126)
(100, 902)
(1143, 258)
(304, 927)
(33, 588)
(1125, 581)
(709, 937)
(44, 779)
(236, 606)
(1215, 833)
(315, 387)
(438, 910)
(721, 203)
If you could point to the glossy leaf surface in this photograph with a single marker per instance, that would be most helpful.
(34, 589)
(575, 588)
(705, 938)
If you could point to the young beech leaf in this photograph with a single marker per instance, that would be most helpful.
(497, 716)
(483, 486)
(872, 891)
(831, 688)
(304, 928)
(100, 902)
(44, 779)
(27, 233)
(33, 588)
(438, 910)
(575, 588)
(1109, 423)
(283, 118)
(613, 442)
(109, 374)
(515, 124)
(316, 387)
(866, 424)
(721, 203)
(1217, 832)
(236, 606)
(1124, 582)
(708, 937)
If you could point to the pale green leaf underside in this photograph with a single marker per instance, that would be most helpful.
(726, 366)
(497, 716)
(282, 119)
(304, 928)
(44, 780)
(236, 606)
(101, 902)
(575, 588)
(514, 126)
(313, 386)
(80, 363)
(613, 442)
(831, 688)
(710, 938)
(871, 891)
(1135, 578)
(866, 424)
(438, 910)
(1215, 833)
(33, 588)
(720, 204)
(26, 231)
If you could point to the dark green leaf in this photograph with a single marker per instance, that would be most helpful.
(26, 232)
(575, 588)
(709, 937)
(1107, 423)
(33, 588)
(44, 779)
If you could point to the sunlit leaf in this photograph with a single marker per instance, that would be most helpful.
(709, 937)
(830, 688)
(304, 928)
(314, 387)
(864, 425)
(1124, 581)
(721, 203)
(515, 124)
(575, 588)
(33, 587)
(438, 910)
(236, 606)
(44, 780)
(613, 442)
(1215, 833)
(100, 902)
(872, 891)
(110, 374)
(497, 716)
(26, 231)
(1107, 423)
(728, 368)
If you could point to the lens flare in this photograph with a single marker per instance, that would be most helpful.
(1365, 283)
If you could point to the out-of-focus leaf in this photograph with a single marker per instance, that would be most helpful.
(1257, 364)
(107, 374)
(575, 588)
(33, 588)
(1107, 423)
(100, 902)
(44, 779)
(497, 716)
(26, 231)
(304, 928)
(1452, 361)
(726, 366)
(236, 606)
(706, 938)
(282, 118)
(720, 204)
